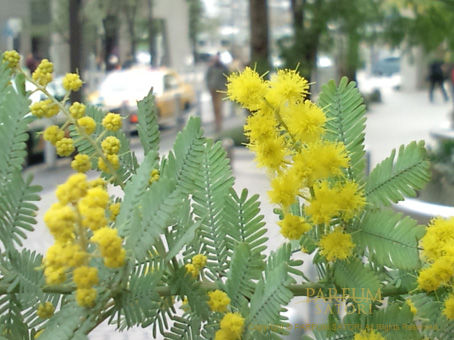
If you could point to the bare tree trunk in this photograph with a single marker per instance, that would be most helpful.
(75, 43)
(258, 14)
(151, 35)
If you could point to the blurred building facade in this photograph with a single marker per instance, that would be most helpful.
(28, 27)
(15, 26)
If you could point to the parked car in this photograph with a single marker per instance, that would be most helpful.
(126, 87)
(387, 66)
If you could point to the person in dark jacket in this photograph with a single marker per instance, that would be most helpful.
(437, 78)
(216, 83)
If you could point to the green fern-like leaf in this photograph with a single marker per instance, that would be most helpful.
(396, 322)
(147, 125)
(244, 222)
(28, 279)
(363, 286)
(140, 302)
(271, 293)
(71, 322)
(183, 163)
(134, 190)
(245, 268)
(390, 239)
(183, 285)
(152, 216)
(392, 180)
(17, 212)
(12, 323)
(213, 183)
(186, 327)
(434, 322)
(183, 232)
(13, 127)
(345, 112)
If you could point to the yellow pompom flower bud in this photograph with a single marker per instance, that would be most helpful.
(199, 261)
(412, 306)
(116, 261)
(93, 218)
(65, 147)
(53, 134)
(247, 88)
(448, 311)
(110, 246)
(191, 269)
(372, 335)
(81, 163)
(114, 209)
(72, 82)
(110, 145)
(112, 159)
(77, 110)
(95, 198)
(112, 121)
(218, 301)
(44, 108)
(336, 245)
(232, 324)
(65, 254)
(12, 58)
(60, 220)
(85, 297)
(98, 182)
(108, 241)
(293, 227)
(54, 275)
(46, 310)
(85, 277)
(43, 73)
(73, 189)
(286, 86)
(154, 176)
(88, 124)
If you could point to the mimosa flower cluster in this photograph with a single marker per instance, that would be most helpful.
(231, 327)
(79, 222)
(198, 262)
(438, 251)
(287, 133)
(76, 221)
(86, 126)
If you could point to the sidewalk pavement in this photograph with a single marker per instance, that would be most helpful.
(401, 118)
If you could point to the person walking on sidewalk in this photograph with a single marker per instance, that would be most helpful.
(437, 78)
(216, 83)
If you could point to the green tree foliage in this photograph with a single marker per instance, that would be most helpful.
(420, 23)
(328, 25)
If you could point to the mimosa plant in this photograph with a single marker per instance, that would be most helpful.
(181, 252)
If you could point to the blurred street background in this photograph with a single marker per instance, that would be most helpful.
(121, 48)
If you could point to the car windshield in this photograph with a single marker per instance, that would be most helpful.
(137, 82)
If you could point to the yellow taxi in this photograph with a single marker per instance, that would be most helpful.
(125, 87)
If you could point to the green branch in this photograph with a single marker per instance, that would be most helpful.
(309, 289)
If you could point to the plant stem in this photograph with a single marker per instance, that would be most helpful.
(304, 289)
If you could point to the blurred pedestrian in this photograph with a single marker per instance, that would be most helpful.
(437, 78)
(216, 83)
(31, 62)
